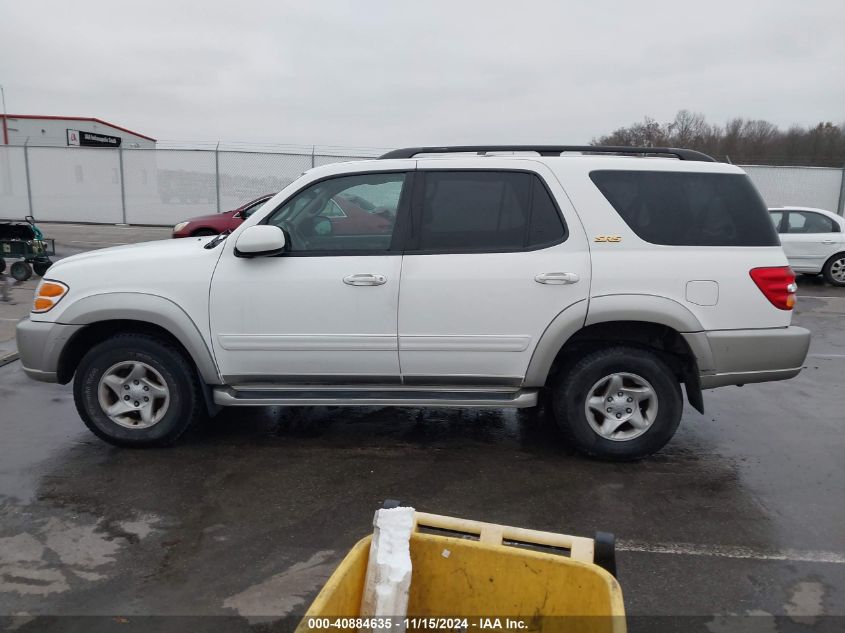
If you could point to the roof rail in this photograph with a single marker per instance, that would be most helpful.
(553, 150)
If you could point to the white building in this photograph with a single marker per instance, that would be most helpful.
(64, 131)
(64, 168)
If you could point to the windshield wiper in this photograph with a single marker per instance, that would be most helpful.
(217, 239)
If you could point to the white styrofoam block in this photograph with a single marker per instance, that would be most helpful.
(388, 577)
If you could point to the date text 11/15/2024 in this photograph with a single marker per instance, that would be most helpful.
(410, 623)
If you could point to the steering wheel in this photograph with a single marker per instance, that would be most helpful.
(315, 226)
(296, 236)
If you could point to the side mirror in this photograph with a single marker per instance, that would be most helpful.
(261, 240)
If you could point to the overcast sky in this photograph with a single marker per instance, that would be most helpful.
(383, 74)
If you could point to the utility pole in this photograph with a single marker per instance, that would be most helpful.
(841, 206)
(217, 174)
(122, 183)
(5, 117)
(28, 181)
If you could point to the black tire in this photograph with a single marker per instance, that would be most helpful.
(20, 270)
(203, 233)
(604, 552)
(572, 386)
(41, 267)
(832, 267)
(185, 404)
(2, 265)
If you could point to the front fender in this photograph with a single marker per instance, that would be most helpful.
(160, 311)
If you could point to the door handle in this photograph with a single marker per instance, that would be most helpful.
(364, 279)
(557, 278)
(827, 241)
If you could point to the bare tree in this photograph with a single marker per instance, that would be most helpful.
(740, 140)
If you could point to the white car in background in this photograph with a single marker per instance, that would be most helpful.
(813, 240)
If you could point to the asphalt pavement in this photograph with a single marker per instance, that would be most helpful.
(740, 520)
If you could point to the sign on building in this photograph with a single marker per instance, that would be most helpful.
(91, 139)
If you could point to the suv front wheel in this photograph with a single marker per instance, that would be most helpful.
(136, 390)
(618, 403)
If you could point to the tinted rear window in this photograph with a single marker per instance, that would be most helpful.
(689, 209)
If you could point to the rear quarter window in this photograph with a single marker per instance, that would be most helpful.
(688, 209)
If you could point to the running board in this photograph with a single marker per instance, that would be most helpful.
(397, 396)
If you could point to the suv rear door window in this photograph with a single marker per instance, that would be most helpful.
(466, 211)
(687, 208)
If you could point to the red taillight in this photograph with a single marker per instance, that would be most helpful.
(778, 284)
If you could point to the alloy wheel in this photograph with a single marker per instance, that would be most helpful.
(621, 406)
(133, 394)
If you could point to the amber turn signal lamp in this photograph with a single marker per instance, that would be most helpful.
(51, 289)
(47, 295)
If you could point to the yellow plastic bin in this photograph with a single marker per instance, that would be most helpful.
(490, 576)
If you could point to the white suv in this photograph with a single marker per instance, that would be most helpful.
(463, 278)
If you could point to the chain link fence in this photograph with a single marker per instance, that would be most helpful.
(162, 187)
(247, 175)
(165, 186)
(14, 197)
(820, 187)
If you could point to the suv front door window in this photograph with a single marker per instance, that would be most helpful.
(345, 214)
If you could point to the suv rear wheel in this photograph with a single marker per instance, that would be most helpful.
(618, 403)
(136, 390)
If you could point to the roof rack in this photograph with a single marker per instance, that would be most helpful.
(553, 150)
